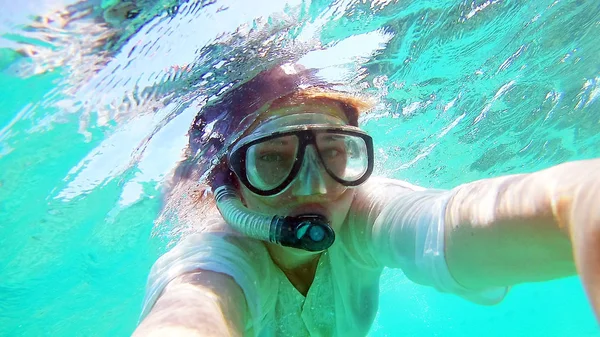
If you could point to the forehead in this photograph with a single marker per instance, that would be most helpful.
(303, 118)
(293, 113)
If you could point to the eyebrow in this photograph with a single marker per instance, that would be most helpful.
(275, 142)
(332, 137)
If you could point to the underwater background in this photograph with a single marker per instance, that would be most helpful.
(96, 98)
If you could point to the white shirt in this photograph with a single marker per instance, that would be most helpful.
(390, 224)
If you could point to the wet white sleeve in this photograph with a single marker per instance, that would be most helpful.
(239, 257)
(405, 229)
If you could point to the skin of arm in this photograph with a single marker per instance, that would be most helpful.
(198, 304)
(526, 228)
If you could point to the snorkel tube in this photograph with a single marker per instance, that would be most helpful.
(310, 232)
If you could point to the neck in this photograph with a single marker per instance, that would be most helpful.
(298, 266)
(291, 258)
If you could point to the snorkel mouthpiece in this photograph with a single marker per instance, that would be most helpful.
(309, 232)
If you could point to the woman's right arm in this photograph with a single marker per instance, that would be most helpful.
(198, 304)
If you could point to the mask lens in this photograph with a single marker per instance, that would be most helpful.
(345, 156)
(270, 162)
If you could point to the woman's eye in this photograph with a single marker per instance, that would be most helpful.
(271, 157)
(332, 153)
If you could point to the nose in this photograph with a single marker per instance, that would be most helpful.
(310, 179)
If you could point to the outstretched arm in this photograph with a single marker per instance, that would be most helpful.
(198, 304)
(530, 227)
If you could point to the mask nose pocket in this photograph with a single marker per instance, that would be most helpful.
(310, 179)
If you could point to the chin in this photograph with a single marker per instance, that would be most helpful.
(290, 251)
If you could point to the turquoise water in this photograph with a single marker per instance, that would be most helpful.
(467, 90)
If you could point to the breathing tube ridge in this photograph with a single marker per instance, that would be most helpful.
(309, 232)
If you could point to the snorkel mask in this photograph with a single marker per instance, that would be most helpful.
(277, 155)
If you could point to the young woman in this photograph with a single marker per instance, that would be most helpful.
(300, 232)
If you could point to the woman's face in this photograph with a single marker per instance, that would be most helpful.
(313, 190)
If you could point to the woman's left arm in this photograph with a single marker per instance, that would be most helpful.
(526, 228)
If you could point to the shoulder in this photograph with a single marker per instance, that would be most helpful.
(218, 246)
(378, 183)
(371, 200)
(377, 192)
(209, 238)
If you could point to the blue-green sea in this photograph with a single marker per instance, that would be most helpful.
(96, 98)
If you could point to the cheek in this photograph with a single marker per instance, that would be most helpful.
(341, 207)
(338, 204)
(267, 205)
(288, 198)
(251, 200)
